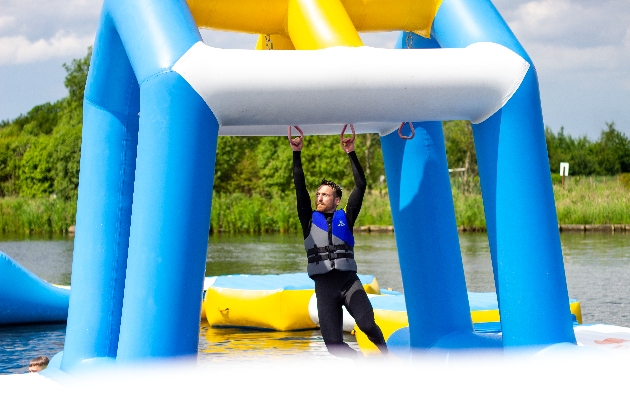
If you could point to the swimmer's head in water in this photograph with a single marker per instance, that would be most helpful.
(38, 364)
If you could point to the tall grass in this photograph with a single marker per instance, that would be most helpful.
(469, 212)
(592, 200)
(36, 215)
(584, 200)
(239, 213)
(596, 200)
(253, 214)
(375, 211)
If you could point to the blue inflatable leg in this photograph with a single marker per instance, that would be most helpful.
(108, 155)
(517, 192)
(522, 223)
(426, 235)
(170, 221)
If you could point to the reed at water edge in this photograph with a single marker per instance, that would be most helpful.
(36, 215)
(583, 200)
(593, 200)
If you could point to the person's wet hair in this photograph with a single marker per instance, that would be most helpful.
(332, 185)
(38, 364)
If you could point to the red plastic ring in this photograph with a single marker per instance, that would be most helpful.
(291, 139)
(402, 136)
(343, 131)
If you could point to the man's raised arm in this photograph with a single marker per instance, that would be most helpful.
(355, 200)
(304, 208)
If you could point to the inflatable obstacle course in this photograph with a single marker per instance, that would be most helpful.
(156, 99)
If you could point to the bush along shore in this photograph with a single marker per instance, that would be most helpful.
(584, 204)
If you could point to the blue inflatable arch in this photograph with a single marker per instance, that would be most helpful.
(147, 167)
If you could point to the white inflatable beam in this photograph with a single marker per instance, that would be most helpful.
(262, 92)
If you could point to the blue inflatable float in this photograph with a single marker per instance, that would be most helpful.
(25, 298)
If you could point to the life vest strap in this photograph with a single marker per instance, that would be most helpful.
(327, 249)
(334, 256)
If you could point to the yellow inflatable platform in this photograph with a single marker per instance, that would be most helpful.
(276, 302)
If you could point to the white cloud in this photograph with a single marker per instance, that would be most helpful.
(580, 60)
(37, 19)
(34, 31)
(6, 22)
(380, 39)
(224, 39)
(18, 49)
(571, 22)
(581, 49)
(569, 38)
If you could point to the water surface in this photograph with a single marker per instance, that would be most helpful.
(597, 268)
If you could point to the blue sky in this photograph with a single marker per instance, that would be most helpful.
(581, 50)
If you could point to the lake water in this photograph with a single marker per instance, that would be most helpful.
(597, 267)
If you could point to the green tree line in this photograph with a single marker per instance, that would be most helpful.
(609, 155)
(40, 153)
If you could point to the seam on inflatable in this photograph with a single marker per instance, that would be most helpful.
(101, 107)
(119, 216)
(116, 250)
(154, 75)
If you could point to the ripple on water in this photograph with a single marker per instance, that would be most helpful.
(20, 343)
(597, 270)
(242, 344)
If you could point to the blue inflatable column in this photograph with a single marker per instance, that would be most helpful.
(170, 221)
(165, 251)
(426, 235)
(108, 155)
(426, 231)
(517, 192)
(172, 192)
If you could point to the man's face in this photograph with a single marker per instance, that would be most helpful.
(326, 202)
(34, 369)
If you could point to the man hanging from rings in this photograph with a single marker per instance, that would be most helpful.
(329, 243)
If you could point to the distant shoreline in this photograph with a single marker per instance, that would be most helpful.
(472, 229)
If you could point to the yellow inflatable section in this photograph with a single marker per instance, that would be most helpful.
(275, 302)
(281, 303)
(481, 316)
(390, 314)
(281, 310)
(315, 24)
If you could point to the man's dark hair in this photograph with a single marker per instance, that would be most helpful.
(332, 185)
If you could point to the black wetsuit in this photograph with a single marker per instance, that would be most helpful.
(337, 288)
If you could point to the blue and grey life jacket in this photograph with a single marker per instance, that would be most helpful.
(330, 244)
